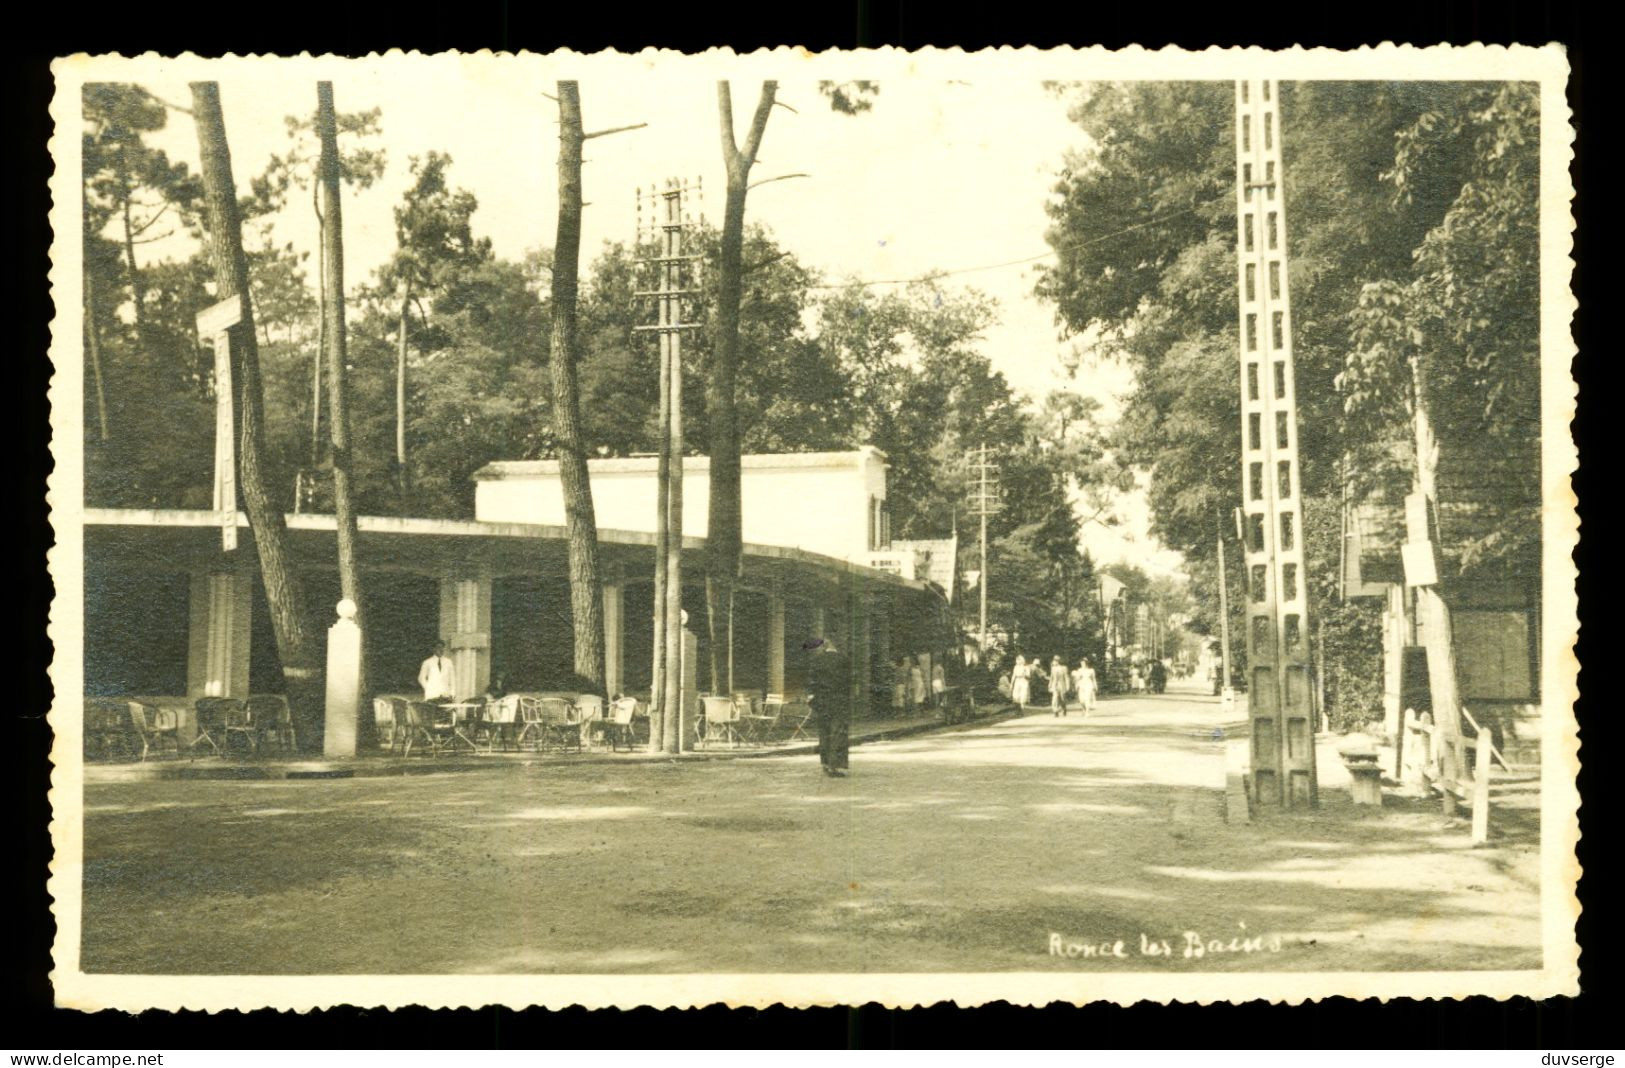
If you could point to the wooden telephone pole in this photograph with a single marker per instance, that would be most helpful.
(983, 503)
(1280, 702)
(668, 223)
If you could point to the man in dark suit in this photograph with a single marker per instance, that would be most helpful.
(829, 678)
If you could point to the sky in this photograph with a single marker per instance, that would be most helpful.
(939, 175)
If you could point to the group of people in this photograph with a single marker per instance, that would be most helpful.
(1064, 683)
(909, 688)
(1154, 679)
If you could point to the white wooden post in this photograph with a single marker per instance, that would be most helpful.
(215, 323)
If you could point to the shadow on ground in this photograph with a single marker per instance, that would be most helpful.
(969, 851)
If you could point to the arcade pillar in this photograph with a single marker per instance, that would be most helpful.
(217, 654)
(775, 640)
(465, 627)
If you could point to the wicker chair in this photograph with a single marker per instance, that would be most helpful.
(589, 714)
(422, 724)
(529, 717)
(107, 726)
(273, 720)
(721, 720)
(212, 715)
(500, 720)
(619, 723)
(383, 719)
(561, 722)
(153, 726)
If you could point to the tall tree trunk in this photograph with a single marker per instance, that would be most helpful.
(337, 391)
(301, 665)
(93, 346)
(724, 539)
(316, 405)
(403, 484)
(581, 528)
(138, 290)
(321, 339)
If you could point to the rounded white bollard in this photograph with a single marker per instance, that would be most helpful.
(343, 683)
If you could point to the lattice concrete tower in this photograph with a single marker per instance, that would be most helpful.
(1279, 691)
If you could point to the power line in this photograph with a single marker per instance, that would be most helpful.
(860, 284)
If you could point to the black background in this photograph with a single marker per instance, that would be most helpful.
(1589, 1021)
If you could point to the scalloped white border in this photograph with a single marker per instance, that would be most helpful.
(1560, 869)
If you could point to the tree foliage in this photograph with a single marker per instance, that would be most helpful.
(1411, 230)
(822, 366)
(1460, 330)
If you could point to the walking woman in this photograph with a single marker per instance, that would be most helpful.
(1087, 685)
(1021, 683)
(1060, 685)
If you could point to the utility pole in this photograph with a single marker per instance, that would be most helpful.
(1280, 697)
(668, 224)
(1226, 693)
(983, 503)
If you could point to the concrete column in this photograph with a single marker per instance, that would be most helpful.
(881, 631)
(465, 627)
(218, 634)
(343, 704)
(775, 640)
(614, 639)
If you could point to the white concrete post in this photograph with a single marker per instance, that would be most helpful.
(343, 683)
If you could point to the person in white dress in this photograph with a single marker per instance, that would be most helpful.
(1086, 684)
(1021, 686)
(916, 683)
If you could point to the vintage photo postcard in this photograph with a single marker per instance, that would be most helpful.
(667, 529)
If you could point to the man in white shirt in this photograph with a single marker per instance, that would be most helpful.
(437, 676)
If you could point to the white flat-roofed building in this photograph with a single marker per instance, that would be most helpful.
(170, 612)
(832, 503)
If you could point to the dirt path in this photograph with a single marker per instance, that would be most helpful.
(984, 848)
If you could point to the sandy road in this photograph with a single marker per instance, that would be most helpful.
(1031, 844)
